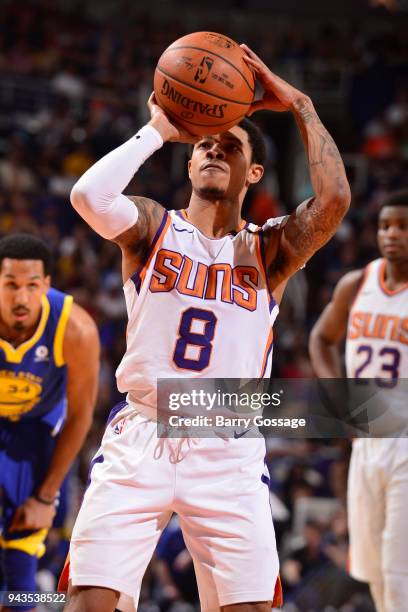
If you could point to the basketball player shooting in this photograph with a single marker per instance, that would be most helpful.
(193, 279)
(370, 307)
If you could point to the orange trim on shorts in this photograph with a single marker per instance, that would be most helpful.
(154, 250)
(381, 280)
(278, 594)
(62, 586)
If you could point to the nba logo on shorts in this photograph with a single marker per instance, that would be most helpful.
(119, 426)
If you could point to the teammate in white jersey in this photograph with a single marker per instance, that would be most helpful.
(202, 291)
(370, 306)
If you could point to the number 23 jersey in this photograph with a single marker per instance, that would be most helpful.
(199, 307)
(377, 336)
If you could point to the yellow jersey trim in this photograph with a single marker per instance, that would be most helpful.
(60, 331)
(32, 545)
(16, 355)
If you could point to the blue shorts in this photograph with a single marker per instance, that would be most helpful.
(26, 449)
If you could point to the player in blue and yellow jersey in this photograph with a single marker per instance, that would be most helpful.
(49, 358)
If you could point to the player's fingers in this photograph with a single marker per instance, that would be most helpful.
(187, 138)
(264, 73)
(252, 63)
(152, 102)
(272, 103)
(18, 522)
(251, 53)
(265, 76)
(183, 136)
(192, 138)
(256, 106)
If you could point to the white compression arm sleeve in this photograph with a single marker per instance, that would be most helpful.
(97, 195)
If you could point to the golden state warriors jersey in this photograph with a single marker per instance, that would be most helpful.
(33, 375)
(377, 337)
(199, 307)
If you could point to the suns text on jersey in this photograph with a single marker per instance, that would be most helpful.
(379, 326)
(235, 285)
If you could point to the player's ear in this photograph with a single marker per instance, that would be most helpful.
(47, 281)
(255, 173)
(189, 168)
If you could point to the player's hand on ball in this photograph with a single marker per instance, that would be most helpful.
(32, 515)
(168, 130)
(278, 94)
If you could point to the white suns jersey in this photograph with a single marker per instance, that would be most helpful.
(377, 336)
(199, 307)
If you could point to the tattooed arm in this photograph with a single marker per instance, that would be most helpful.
(315, 221)
(135, 242)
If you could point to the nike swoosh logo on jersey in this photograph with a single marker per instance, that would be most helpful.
(239, 435)
(183, 230)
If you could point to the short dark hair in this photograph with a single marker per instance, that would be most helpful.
(256, 140)
(25, 246)
(396, 198)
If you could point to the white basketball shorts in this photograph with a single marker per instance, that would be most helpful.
(219, 489)
(378, 509)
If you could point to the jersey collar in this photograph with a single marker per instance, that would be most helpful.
(16, 355)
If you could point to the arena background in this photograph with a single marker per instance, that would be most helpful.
(74, 79)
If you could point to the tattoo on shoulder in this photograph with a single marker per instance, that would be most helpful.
(149, 210)
(137, 239)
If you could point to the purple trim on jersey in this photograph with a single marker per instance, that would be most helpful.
(266, 360)
(117, 408)
(137, 280)
(272, 302)
(98, 459)
(136, 276)
(180, 214)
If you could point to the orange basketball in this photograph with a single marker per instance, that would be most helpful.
(203, 83)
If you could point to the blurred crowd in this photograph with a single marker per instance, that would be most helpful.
(72, 89)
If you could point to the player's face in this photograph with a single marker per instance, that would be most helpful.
(221, 165)
(393, 233)
(22, 285)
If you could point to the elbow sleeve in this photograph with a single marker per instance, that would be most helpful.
(97, 195)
